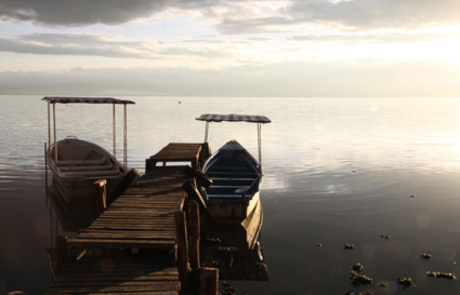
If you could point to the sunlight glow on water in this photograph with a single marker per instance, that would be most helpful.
(337, 170)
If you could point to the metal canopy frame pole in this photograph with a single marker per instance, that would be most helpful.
(55, 143)
(259, 142)
(114, 133)
(49, 124)
(125, 137)
(206, 132)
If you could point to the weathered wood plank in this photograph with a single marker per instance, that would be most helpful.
(129, 288)
(130, 235)
(117, 243)
(118, 293)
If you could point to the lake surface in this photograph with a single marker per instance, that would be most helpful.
(337, 170)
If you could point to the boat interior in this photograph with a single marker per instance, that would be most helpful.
(233, 178)
(78, 158)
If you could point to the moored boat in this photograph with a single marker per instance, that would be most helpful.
(76, 164)
(79, 163)
(236, 175)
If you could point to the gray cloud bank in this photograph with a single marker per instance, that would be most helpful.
(352, 13)
(424, 79)
(87, 12)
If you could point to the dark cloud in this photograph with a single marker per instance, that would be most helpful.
(237, 17)
(86, 12)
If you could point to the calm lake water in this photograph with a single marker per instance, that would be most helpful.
(337, 170)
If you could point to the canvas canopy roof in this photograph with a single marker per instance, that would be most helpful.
(96, 100)
(233, 118)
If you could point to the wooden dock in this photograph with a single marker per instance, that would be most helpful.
(139, 244)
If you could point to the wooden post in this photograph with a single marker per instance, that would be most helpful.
(128, 180)
(194, 233)
(192, 192)
(209, 281)
(61, 252)
(182, 246)
(101, 195)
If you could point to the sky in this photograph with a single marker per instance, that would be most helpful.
(311, 48)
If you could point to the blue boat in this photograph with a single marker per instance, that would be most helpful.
(236, 175)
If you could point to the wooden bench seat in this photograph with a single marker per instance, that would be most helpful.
(82, 162)
(93, 173)
(86, 168)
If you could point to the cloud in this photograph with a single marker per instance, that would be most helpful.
(364, 78)
(377, 13)
(75, 44)
(240, 17)
(373, 37)
(97, 45)
(358, 14)
(87, 12)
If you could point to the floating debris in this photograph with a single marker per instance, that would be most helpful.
(412, 196)
(358, 267)
(383, 285)
(348, 246)
(228, 249)
(212, 240)
(366, 293)
(441, 275)
(229, 290)
(358, 279)
(406, 282)
(319, 245)
(425, 256)
(383, 236)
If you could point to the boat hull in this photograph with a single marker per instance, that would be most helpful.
(232, 212)
(79, 164)
(236, 179)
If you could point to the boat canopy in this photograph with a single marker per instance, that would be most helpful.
(53, 100)
(233, 118)
(103, 100)
(236, 118)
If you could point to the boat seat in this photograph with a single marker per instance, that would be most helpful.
(214, 175)
(86, 168)
(93, 173)
(82, 162)
(225, 189)
(228, 198)
(231, 169)
(232, 181)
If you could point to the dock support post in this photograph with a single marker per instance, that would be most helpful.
(209, 281)
(182, 247)
(101, 195)
(61, 252)
(194, 233)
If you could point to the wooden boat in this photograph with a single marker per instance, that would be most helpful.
(79, 163)
(236, 175)
(76, 164)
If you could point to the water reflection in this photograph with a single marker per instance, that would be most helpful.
(70, 216)
(65, 219)
(235, 250)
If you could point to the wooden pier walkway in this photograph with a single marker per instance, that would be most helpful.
(149, 218)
